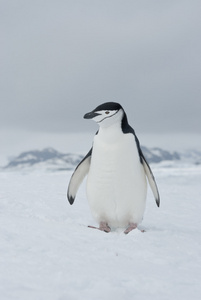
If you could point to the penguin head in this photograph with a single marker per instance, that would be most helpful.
(106, 114)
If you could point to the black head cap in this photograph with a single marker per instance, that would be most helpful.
(108, 106)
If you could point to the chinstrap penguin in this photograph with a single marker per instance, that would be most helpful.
(117, 171)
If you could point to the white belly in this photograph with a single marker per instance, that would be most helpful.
(116, 184)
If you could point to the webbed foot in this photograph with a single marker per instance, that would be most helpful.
(130, 227)
(103, 227)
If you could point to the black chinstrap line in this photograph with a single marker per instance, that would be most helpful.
(108, 117)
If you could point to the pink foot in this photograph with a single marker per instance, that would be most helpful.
(130, 227)
(103, 227)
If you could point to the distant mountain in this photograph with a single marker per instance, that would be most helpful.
(156, 155)
(47, 158)
(51, 159)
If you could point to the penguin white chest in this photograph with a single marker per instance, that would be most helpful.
(116, 184)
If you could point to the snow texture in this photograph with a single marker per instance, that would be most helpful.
(48, 252)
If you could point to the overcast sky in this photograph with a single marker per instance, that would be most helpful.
(62, 58)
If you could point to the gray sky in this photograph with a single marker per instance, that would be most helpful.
(61, 58)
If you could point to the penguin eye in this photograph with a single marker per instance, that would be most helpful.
(107, 112)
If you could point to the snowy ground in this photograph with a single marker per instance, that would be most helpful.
(48, 252)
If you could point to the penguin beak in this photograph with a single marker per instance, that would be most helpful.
(91, 115)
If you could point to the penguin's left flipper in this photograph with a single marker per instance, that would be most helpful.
(78, 176)
(151, 179)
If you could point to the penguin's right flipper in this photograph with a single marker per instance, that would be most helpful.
(78, 176)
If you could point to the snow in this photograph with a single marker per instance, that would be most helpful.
(48, 252)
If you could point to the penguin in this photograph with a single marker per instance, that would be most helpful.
(116, 170)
